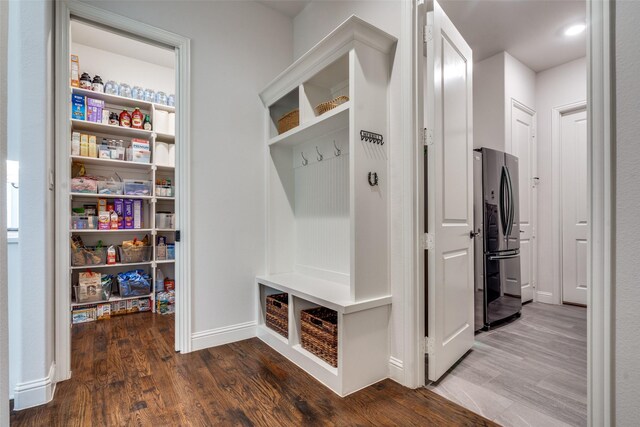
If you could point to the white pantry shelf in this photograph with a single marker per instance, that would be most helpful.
(101, 128)
(118, 265)
(111, 163)
(111, 299)
(108, 196)
(121, 231)
(121, 100)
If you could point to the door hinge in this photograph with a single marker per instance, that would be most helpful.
(427, 137)
(427, 36)
(427, 241)
(427, 345)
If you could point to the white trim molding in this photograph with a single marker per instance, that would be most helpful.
(35, 392)
(223, 335)
(601, 172)
(396, 370)
(556, 194)
(64, 12)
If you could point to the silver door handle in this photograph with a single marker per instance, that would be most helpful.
(499, 257)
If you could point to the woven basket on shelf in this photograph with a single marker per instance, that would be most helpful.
(278, 313)
(289, 121)
(330, 105)
(320, 333)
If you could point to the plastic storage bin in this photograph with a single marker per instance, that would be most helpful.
(93, 294)
(165, 221)
(134, 187)
(84, 222)
(84, 185)
(110, 187)
(88, 256)
(134, 283)
(165, 191)
(135, 254)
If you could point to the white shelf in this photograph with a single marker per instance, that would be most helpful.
(109, 196)
(111, 162)
(85, 126)
(333, 295)
(165, 137)
(121, 100)
(165, 198)
(121, 231)
(332, 120)
(165, 230)
(112, 299)
(165, 261)
(165, 168)
(94, 267)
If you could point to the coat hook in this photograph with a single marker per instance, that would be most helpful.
(305, 162)
(320, 156)
(337, 151)
(373, 182)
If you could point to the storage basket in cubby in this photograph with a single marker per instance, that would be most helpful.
(320, 333)
(330, 105)
(289, 121)
(135, 254)
(278, 313)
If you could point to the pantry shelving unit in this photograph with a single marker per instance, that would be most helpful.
(327, 218)
(124, 169)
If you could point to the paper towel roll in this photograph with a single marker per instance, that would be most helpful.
(171, 129)
(162, 121)
(162, 154)
(172, 155)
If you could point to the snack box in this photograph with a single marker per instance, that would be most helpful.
(103, 311)
(118, 307)
(78, 107)
(137, 214)
(132, 306)
(144, 304)
(83, 314)
(94, 110)
(128, 214)
(118, 207)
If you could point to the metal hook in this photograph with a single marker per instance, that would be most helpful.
(320, 156)
(305, 162)
(337, 151)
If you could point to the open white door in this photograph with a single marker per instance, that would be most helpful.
(449, 208)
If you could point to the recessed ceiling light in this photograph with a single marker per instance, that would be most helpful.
(574, 30)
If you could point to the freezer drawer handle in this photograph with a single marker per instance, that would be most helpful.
(499, 257)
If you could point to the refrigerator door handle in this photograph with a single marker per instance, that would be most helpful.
(512, 207)
(504, 214)
(499, 257)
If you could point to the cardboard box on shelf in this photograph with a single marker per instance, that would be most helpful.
(78, 107)
(83, 314)
(103, 311)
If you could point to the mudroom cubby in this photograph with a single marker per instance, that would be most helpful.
(328, 202)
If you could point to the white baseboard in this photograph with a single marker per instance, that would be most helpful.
(224, 335)
(396, 370)
(36, 392)
(545, 297)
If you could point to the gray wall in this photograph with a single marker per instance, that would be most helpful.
(627, 246)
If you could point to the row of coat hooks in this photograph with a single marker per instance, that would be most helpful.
(337, 152)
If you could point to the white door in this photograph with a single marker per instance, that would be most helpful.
(574, 207)
(450, 269)
(523, 146)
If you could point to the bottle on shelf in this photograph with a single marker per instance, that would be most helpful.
(147, 122)
(125, 119)
(97, 85)
(137, 119)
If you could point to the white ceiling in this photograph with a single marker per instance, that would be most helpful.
(100, 38)
(291, 8)
(530, 30)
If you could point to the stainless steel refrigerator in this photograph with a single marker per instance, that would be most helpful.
(497, 232)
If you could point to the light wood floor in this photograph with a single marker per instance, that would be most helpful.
(529, 372)
(125, 372)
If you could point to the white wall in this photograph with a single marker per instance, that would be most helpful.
(627, 246)
(558, 86)
(236, 49)
(13, 310)
(30, 97)
(310, 26)
(488, 103)
(496, 82)
(124, 69)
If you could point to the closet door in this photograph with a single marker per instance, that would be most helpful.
(450, 263)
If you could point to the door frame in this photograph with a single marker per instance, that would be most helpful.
(64, 11)
(601, 140)
(534, 172)
(556, 192)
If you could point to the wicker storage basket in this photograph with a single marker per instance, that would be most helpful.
(278, 313)
(320, 333)
(330, 105)
(289, 121)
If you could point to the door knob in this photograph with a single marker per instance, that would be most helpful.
(473, 234)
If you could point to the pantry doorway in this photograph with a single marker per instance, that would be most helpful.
(122, 182)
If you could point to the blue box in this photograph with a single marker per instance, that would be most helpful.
(78, 107)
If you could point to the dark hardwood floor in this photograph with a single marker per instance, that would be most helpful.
(125, 372)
